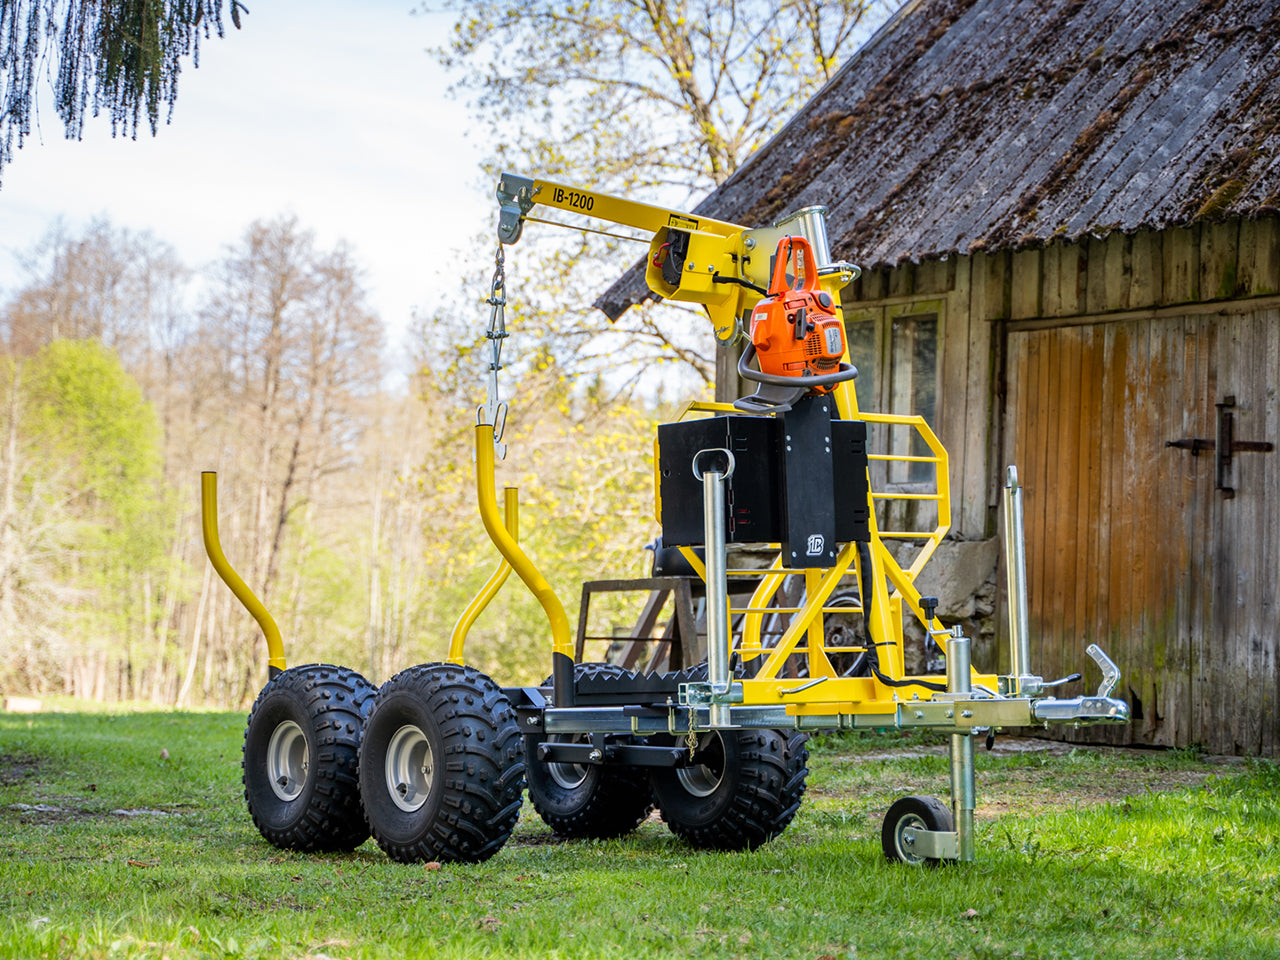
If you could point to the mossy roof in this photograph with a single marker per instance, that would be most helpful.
(967, 125)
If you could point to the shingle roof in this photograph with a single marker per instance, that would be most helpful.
(985, 124)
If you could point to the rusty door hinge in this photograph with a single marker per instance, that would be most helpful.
(1225, 444)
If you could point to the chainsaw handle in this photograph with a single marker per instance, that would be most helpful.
(778, 282)
(847, 371)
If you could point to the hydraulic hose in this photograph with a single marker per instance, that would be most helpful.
(873, 658)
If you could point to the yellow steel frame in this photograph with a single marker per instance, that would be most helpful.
(505, 541)
(892, 588)
(717, 249)
(722, 249)
(511, 523)
(718, 253)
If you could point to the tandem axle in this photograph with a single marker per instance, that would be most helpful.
(435, 762)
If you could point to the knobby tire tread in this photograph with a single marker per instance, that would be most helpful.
(477, 801)
(611, 802)
(334, 702)
(757, 799)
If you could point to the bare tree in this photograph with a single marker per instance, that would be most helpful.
(657, 99)
(121, 287)
(651, 92)
(35, 524)
(294, 349)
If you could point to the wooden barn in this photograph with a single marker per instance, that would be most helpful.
(1068, 215)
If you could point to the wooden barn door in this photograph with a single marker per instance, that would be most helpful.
(1130, 544)
(1235, 683)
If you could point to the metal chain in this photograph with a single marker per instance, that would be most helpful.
(691, 738)
(494, 411)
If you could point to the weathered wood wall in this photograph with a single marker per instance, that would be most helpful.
(1078, 361)
(1129, 544)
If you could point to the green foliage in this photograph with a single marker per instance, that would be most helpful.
(86, 411)
(112, 383)
(583, 468)
(335, 621)
(84, 508)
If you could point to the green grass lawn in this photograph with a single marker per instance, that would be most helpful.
(126, 836)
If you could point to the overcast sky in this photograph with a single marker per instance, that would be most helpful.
(328, 110)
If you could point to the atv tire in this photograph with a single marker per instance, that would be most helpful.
(441, 766)
(744, 789)
(299, 764)
(586, 801)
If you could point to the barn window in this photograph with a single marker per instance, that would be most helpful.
(913, 386)
(895, 348)
(861, 334)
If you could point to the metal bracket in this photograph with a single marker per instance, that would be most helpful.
(1081, 711)
(515, 199)
(622, 753)
(705, 694)
(1196, 445)
(932, 844)
(1027, 685)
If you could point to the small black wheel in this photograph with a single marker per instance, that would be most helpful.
(924, 813)
(586, 801)
(441, 766)
(300, 754)
(742, 790)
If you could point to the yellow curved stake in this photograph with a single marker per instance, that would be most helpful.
(511, 522)
(213, 547)
(487, 496)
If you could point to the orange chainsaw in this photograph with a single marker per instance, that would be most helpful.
(796, 337)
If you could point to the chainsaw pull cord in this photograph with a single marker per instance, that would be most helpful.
(494, 411)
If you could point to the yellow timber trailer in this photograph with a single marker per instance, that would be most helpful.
(435, 762)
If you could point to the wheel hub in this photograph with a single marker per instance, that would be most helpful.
(409, 768)
(702, 779)
(288, 760)
(903, 842)
(568, 776)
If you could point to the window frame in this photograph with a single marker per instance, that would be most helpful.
(883, 316)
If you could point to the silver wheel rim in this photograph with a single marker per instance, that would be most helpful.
(910, 820)
(410, 768)
(702, 780)
(568, 776)
(288, 760)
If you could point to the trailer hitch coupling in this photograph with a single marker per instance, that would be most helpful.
(1081, 711)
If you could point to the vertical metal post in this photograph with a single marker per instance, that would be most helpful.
(713, 519)
(1015, 553)
(963, 787)
(810, 223)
